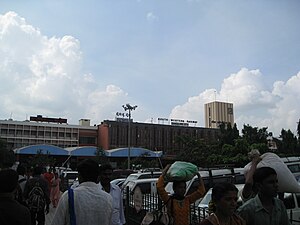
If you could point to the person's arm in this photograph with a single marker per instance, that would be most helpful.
(160, 185)
(199, 192)
(247, 189)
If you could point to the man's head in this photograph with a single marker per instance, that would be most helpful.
(224, 197)
(179, 188)
(105, 174)
(8, 181)
(38, 170)
(21, 169)
(88, 170)
(266, 182)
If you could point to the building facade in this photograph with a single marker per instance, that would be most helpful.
(156, 137)
(52, 131)
(217, 113)
(110, 134)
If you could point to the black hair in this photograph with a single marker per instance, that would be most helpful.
(177, 183)
(88, 169)
(8, 180)
(21, 169)
(262, 173)
(38, 170)
(104, 167)
(220, 189)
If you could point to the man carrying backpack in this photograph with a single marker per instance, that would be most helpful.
(36, 194)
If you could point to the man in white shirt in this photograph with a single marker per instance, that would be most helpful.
(92, 206)
(105, 175)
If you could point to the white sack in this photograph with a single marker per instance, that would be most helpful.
(286, 180)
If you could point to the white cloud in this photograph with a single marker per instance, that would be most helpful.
(42, 75)
(253, 103)
(101, 103)
(151, 17)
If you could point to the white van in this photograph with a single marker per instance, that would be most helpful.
(138, 176)
(144, 190)
(147, 186)
(292, 205)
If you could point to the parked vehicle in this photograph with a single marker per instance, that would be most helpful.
(210, 177)
(119, 181)
(137, 176)
(67, 179)
(147, 188)
(292, 204)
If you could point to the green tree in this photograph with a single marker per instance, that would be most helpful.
(298, 134)
(228, 134)
(101, 156)
(298, 130)
(41, 159)
(261, 147)
(254, 135)
(235, 132)
(289, 141)
(194, 151)
(242, 146)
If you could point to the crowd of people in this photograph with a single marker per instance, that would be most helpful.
(33, 190)
(25, 198)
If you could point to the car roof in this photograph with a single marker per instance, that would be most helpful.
(141, 173)
(148, 180)
(238, 186)
(70, 172)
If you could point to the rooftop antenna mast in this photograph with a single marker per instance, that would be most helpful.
(215, 95)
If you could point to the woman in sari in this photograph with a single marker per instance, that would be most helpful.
(224, 203)
(55, 190)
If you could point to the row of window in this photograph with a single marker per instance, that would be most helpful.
(27, 133)
(44, 128)
(18, 143)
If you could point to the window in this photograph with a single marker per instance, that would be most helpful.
(289, 201)
(294, 168)
(87, 140)
(3, 131)
(298, 198)
(145, 176)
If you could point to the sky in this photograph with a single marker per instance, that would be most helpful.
(85, 59)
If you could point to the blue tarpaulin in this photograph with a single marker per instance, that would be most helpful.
(87, 151)
(43, 149)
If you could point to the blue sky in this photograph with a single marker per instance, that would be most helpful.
(84, 59)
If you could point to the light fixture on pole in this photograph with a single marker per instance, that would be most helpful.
(129, 108)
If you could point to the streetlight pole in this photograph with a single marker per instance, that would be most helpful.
(129, 108)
